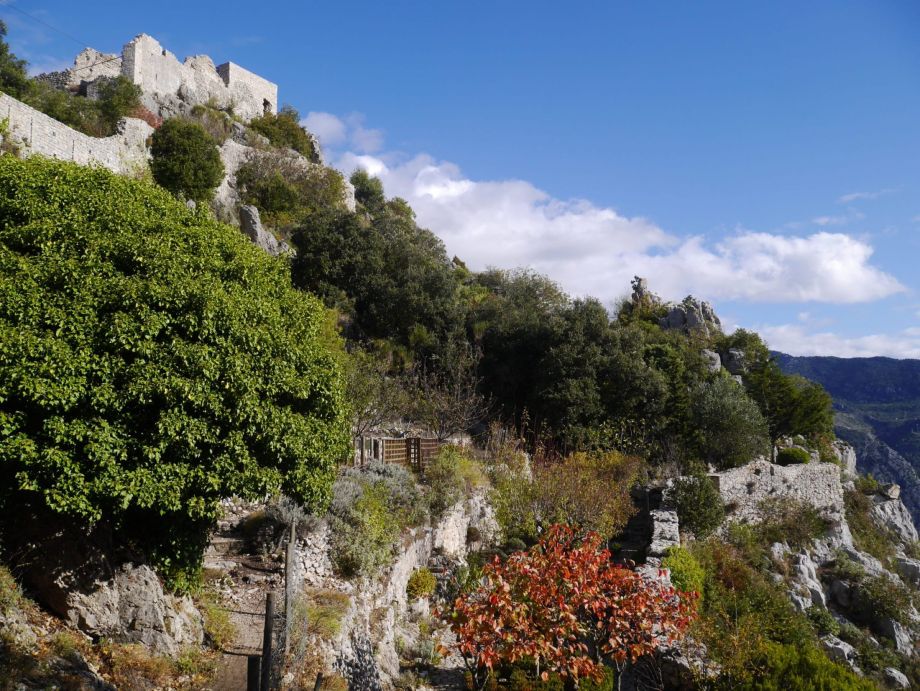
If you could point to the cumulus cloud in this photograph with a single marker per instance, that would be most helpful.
(333, 131)
(794, 339)
(595, 250)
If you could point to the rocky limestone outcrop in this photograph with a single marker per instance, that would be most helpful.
(665, 534)
(77, 573)
(712, 360)
(891, 512)
(251, 225)
(846, 456)
(365, 650)
(735, 362)
(692, 315)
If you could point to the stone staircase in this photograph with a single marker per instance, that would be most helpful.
(243, 577)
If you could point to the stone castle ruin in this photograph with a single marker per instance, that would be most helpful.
(170, 87)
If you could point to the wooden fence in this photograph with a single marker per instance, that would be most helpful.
(413, 452)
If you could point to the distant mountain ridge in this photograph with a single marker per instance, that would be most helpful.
(877, 404)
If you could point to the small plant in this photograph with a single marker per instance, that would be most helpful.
(219, 630)
(868, 536)
(451, 476)
(421, 584)
(10, 592)
(473, 535)
(686, 573)
(698, 503)
(866, 484)
(792, 456)
(793, 522)
(823, 620)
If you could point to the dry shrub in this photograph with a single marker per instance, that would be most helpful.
(589, 490)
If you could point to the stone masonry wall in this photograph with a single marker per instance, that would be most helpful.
(251, 94)
(37, 133)
(744, 488)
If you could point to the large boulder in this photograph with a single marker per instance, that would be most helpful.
(893, 515)
(251, 225)
(712, 360)
(734, 361)
(692, 315)
(79, 573)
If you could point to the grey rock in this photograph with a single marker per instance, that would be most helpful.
(692, 315)
(838, 650)
(805, 573)
(892, 490)
(842, 593)
(846, 456)
(893, 515)
(132, 608)
(251, 225)
(712, 359)
(665, 532)
(908, 569)
(734, 361)
(738, 379)
(895, 679)
(896, 633)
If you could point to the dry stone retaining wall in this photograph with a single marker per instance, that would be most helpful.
(744, 488)
(37, 133)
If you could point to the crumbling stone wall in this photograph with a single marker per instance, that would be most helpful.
(37, 133)
(170, 86)
(743, 489)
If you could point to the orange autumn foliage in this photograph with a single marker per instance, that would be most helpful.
(568, 608)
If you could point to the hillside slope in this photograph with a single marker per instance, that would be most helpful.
(877, 410)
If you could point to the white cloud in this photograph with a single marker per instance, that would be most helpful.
(865, 196)
(594, 250)
(795, 340)
(334, 132)
(327, 127)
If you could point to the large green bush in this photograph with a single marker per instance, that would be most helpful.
(698, 503)
(686, 573)
(184, 159)
(452, 475)
(731, 429)
(284, 132)
(792, 455)
(152, 361)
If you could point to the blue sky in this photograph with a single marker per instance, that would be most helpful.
(764, 156)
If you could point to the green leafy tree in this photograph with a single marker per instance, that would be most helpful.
(152, 362)
(730, 427)
(698, 503)
(791, 404)
(285, 132)
(185, 160)
(118, 97)
(13, 77)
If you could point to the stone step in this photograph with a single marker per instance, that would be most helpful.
(223, 546)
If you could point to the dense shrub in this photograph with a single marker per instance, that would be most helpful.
(283, 131)
(153, 361)
(686, 573)
(876, 597)
(804, 668)
(698, 504)
(370, 508)
(731, 429)
(866, 484)
(823, 620)
(794, 522)
(792, 455)
(587, 490)
(452, 475)
(184, 159)
(286, 191)
(421, 584)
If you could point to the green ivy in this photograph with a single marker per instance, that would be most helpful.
(152, 361)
